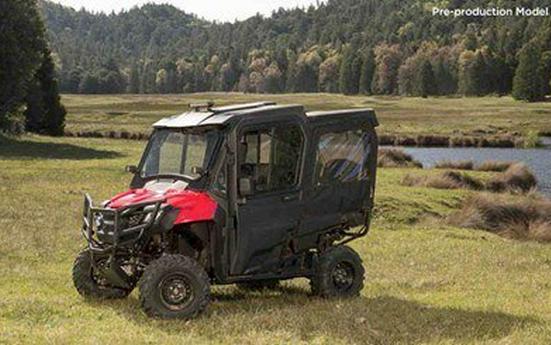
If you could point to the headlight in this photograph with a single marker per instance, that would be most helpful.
(99, 222)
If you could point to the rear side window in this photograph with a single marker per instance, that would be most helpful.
(342, 156)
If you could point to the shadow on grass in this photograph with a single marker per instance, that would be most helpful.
(291, 310)
(20, 148)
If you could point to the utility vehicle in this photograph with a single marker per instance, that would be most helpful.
(248, 194)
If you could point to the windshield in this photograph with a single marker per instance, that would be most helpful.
(179, 153)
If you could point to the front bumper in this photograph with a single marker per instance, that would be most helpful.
(108, 230)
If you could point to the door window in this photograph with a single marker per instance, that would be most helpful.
(270, 157)
(341, 156)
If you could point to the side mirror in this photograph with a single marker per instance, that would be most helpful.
(245, 186)
(131, 169)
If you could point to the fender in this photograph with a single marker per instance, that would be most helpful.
(193, 206)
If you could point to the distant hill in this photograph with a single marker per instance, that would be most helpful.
(349, 46)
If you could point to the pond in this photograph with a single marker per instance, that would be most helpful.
(539, 160)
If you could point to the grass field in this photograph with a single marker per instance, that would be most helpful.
(426, 283)
(398, 115)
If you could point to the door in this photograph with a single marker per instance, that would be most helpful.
(269, 157)
(341, 180)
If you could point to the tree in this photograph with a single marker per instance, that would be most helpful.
(368, 70)
(89, 83)
(528, 83)
(388, 59)
(72, 80)
(307, 69)
(349, 74)
(134, 79)
(301, 42)
(472, 74)
(329, 74)
(161, 81)
(425, 80)
(228, 76)
(273, 79)
(21, 51)
(545, 66)
(45, 114)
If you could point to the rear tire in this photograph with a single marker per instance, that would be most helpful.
(89, 284)
(174, 287)
(338, 273)
(259, 285)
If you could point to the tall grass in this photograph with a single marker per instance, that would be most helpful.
(446, 180)
(456, 165)
(498, 166)
(532, 140)
(522, 218)
(516, 179)
(392, 158)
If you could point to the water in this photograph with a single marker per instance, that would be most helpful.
(539, 160)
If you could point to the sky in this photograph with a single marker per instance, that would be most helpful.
(219, 10)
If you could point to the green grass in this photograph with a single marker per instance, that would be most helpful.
(398, 115)
(426, 283)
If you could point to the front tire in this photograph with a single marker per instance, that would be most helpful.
(89, 283)
(174, 287)
(338, 273)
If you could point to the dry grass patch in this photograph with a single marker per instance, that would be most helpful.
(495, 166)
(498, 166)
(516, 179)
(457, 165)
(446, 180)
(392, 158)
(521, 218)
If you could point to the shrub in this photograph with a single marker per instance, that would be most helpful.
(532, 140)
(457, 165)
(446, 180)
(517, 178)
(389, 158)
(523, 218)
(498, 166)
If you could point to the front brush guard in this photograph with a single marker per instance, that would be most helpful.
(121, 239)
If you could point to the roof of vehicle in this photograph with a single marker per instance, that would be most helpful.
(360, 114)
(207, 115)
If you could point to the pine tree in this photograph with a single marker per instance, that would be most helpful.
(45, 114)
(425, 80)
(21, 45)
(134, 79)
(473, 74)
(346, 73)
(291, 77)
(368, 69)
(528, 81)
(545, 66)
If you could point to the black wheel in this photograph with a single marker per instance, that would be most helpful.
(89, 283)
(174, 286)
(339, 273)
(259, 285)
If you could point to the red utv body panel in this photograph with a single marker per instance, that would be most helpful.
(194, 206)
